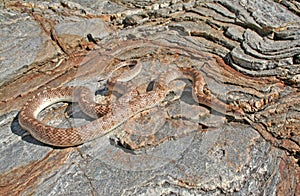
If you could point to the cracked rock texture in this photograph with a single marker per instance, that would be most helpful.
(247, 51)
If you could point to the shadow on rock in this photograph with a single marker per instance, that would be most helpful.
(25, 135)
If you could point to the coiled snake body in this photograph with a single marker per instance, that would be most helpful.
(119, 112)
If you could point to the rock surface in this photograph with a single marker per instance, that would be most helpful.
(248, 53)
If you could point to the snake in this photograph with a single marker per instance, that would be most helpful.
(119, 112)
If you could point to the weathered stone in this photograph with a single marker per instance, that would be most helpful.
(235, 33)
(23, 43)
(131, 20)
(96, 27)
(246, 51)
